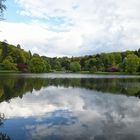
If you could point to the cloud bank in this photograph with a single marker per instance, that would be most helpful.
(75, 27)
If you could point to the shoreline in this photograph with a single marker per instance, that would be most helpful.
(81, 72)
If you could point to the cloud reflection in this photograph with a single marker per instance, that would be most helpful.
(75, 113)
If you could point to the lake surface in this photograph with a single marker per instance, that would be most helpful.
(69, 107)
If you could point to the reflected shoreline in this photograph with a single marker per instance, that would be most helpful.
(16, 86)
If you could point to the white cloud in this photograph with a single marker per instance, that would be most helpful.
(76, 27)
(94, 113)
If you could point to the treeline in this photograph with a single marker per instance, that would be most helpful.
(15, 58)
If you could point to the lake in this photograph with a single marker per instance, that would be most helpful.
(69, 107)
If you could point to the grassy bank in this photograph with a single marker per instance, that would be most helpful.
(99, 73)
(80, 72)
(9, 71)
(116, 73)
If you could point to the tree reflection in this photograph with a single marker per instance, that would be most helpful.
(138, 94)
(11, 87)
(2, 117)
(2, 135)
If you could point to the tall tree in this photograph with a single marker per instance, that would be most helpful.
(65, 63)
(132, 63)
(139, 52)
(4, 49)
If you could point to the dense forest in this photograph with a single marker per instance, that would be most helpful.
(14, 58)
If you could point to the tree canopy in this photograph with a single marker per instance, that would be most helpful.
(132, 63)
(75, 67)
(15, 58)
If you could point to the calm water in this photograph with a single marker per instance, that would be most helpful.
(69, 107)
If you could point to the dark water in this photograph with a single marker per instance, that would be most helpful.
(69, 107)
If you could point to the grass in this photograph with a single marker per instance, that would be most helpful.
(8, 71)
(116, 73)
(81, 72)
(108, 73)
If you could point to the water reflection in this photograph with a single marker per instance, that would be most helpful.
(3, 136)
(17, 86)
(70, 109)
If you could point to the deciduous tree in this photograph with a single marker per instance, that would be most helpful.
(132, 63)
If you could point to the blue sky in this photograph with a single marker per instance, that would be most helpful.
(11, 14)
(72, 27)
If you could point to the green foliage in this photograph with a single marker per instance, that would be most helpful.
(139, 52)
(55, 64)
(90, 63)
(8, 65)
(83, 63)
(93, 69)
(118, 58)
(105, 60)
(18, 56)
(75, 67)
(47, 66)
(65, 63)
(111, 59)
(15, 55)
(132, 63)
(4, 50)
(10, 59)
(37, 65)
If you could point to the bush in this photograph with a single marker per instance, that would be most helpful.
(22, 67)
(112, 69)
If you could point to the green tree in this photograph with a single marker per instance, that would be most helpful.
(118, 58)
(75, 67)
(105, 60)
(30, 54)
(93, 69)
(90, 63)
(8, 65)
(122, 65)
(26, 57)
(47, 66)
(56, 65)
(132, 63)
(83, 63)
(37, 65)
(10, 59)
(65, 63)
(139, 52)
(111, 60)
(17, 54)
(18, 46)
(4, 49)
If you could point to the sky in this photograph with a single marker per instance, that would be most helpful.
(72, 27)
